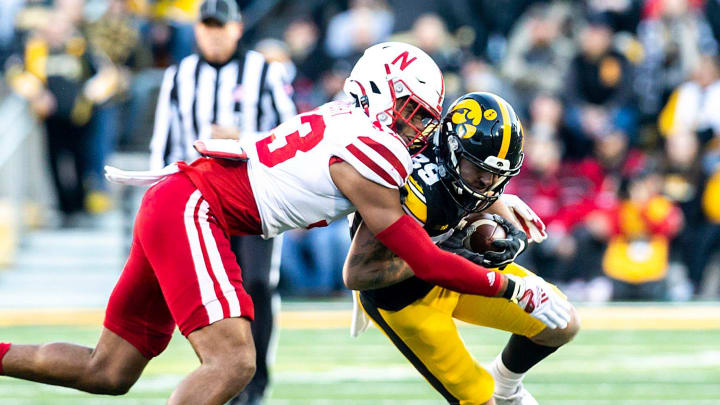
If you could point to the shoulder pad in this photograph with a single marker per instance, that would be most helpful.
(379, 157)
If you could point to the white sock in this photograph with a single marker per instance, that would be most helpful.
(506, 382)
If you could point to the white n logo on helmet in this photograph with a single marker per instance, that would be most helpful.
(405, 62)
(391, 70)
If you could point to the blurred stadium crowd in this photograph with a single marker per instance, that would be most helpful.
(620, 101)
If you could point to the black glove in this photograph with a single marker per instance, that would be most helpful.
(456, 244)
(505, 250)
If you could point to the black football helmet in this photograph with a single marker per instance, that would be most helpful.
(483, 129)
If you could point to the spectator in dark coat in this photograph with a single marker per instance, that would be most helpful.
(599, 87)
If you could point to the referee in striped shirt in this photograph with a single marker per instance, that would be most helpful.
(223, 92)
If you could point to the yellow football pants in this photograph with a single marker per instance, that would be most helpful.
(427, 336)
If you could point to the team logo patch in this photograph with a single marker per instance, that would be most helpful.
(490, 114)
(466, 115)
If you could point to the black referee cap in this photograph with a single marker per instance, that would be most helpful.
(222, 11)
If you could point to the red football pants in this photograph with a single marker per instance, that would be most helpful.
(181, 270)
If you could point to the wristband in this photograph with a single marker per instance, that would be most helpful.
(510, 289)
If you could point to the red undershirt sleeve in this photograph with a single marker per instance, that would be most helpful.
(411, 243)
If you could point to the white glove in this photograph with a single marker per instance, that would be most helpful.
(536, 297)
(532, 224)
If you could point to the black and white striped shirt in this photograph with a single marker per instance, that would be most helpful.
(247, 93)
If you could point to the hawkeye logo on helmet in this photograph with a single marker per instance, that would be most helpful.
(466, 115)
(405, 62)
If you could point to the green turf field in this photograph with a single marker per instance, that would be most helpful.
(327, 366)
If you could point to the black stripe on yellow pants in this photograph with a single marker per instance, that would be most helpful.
(374, 313)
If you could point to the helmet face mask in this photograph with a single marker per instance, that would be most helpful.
(401, 87)
(470, 198)
(414, 122)
(482, 130)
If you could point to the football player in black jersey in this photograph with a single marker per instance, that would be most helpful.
(476, 151)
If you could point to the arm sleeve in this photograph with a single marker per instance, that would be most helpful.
(162, 145)
(411, 243)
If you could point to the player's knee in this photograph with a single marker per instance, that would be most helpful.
(244, 366)
(100, 377)
(236, 371)
(573, 327)
(118, 387)
(237, 365)
(568, 333)
(559, 337)
(226, 350)
(471, 387)
(109, 384)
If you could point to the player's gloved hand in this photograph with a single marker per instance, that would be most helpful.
(530, 221)
(504, 251)
(536, 297)
(456, 244)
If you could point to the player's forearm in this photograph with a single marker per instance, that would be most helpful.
(379, 206)
(409, 241)
(376, 275)
(370, 265)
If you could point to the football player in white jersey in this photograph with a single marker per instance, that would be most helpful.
(311, 170)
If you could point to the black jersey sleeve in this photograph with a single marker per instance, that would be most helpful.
(355, 224)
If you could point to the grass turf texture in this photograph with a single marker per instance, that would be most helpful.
(326, 366)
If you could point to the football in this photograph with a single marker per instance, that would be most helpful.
(484, 230)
